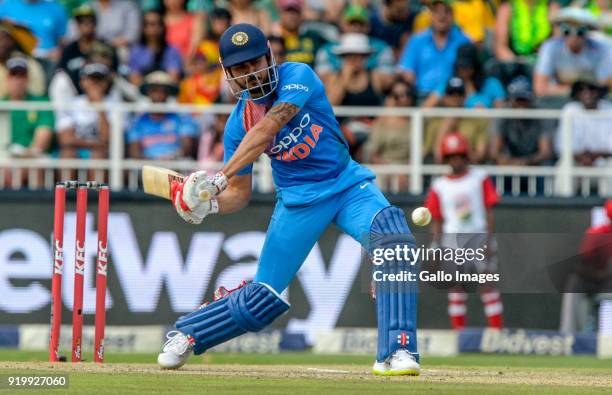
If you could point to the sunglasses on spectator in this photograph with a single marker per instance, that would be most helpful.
(18, 73)
(569, 30)
(98, 78)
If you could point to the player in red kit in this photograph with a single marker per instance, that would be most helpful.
(461, 206)
(591, 282)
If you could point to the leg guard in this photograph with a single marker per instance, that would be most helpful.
(396, 301)
(248, 309)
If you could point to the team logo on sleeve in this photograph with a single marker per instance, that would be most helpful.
(240, 38)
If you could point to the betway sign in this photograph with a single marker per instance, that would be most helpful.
(141, 269)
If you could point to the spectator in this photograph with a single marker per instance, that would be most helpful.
(245, 11)
(298, 46)
(475, 17)
(355, 20)
(46, 18)
(153, 52)
(389, 141)
(161, 136)
(64, 90)
(16, 39)
(76, 54)
(354, 84)
(201, 10)
(83, 132)
(31, 131)
(206, 62)
(427, 60)
(118, 23)
(393, 24)
(522, 142)
(316, 21)
(210, 149)
(591, 137)
(121, 88)
(220, 21)
(180, 29)
(521, 26)
(476, 131)
(329, 11)
(481, 91)
(204, 85)
(563, 60)
(277, 44)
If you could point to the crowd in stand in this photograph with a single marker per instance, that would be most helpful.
(393, 53)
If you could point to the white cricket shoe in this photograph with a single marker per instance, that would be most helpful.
(175, 352)
(398, 364)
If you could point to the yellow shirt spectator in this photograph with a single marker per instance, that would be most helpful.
(474, 17)
(204, 86)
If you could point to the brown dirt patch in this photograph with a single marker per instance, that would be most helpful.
(510, 376)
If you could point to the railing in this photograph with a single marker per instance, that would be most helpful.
(563, 179)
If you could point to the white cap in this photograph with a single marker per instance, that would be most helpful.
(353, 43)
(576, 15)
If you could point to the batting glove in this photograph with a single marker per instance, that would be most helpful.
(216, 184)
(185, 198)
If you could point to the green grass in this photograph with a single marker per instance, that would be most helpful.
(131, 384)
(302, 358)
(206, 374)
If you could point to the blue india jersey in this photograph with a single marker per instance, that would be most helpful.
(311, 147)
(161, 138)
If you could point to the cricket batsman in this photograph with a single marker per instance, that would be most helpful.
(283, 111)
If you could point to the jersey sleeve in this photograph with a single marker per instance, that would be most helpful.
(296, 84)
(432, 202)
(232, 136)
(491, 198)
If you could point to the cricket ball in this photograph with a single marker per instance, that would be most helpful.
(421, 216)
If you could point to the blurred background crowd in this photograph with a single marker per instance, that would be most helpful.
(392, 53)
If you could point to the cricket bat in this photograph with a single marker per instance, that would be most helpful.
(158, 181)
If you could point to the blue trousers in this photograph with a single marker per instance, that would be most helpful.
(293, 231)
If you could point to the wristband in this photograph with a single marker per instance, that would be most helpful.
(214, 206)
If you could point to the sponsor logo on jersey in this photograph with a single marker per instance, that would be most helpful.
(299, 87)
(298, 143)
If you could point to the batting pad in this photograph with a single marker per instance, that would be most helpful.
(396, 301)
(248, 309)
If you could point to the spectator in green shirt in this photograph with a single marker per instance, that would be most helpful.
(31, 131)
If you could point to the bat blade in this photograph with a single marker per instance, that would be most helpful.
(158, 180)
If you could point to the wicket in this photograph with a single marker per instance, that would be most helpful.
(79, 268)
